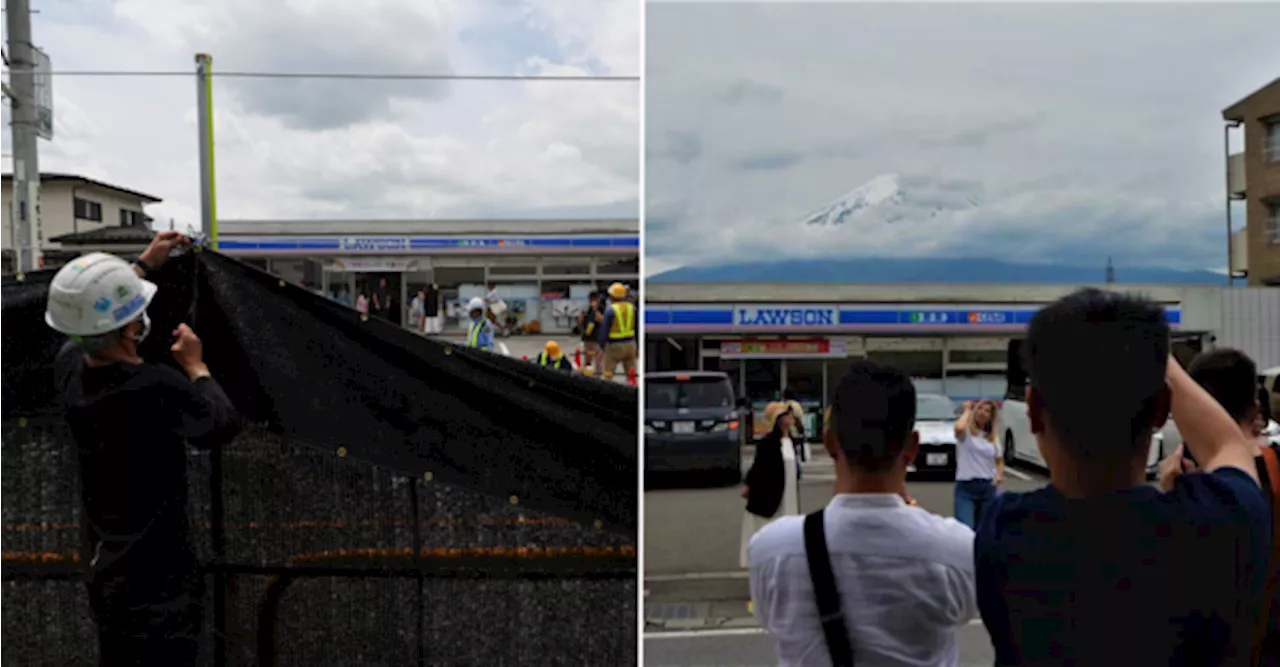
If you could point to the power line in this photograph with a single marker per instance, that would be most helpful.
(349, 76)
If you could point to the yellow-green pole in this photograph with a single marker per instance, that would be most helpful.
(204, 123)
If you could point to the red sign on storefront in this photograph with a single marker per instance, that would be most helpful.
(778, 348)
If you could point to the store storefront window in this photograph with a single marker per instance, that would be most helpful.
(562, 301)
(804, 377)
(450, 279)
(924, 367)
(764, 386)
(582, 269)
(624, 268)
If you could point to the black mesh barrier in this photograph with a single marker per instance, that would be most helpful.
(395, 500)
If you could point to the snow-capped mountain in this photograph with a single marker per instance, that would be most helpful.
(894, 197)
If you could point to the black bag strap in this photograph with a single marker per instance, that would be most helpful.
(824, 588)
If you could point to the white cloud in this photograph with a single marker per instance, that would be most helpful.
(1089, 130)
(345, 148)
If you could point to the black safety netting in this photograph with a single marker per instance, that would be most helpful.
(394, 500)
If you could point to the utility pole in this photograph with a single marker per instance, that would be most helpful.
(1111, 272)
(24, 218)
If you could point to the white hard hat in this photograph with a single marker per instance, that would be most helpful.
(95, 294)
(475, 304)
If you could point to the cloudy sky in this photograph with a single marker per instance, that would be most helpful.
(1060, 133)
(290, 149)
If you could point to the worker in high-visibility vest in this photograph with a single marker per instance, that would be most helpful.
(620, 321)
(552, 357)
(480, 330)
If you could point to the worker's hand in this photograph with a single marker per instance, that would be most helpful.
(156, 253)
(188, 351)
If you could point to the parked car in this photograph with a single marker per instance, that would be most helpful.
(693, 423)
(1169, 439)
(936, 423)
(1018, 443)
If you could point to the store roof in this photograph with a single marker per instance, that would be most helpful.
(428, 226)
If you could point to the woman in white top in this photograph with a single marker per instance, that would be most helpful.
(770, 489)
(979, 464)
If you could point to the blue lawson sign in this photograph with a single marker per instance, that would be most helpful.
(796, 316)
(334, 245)
(844, 318)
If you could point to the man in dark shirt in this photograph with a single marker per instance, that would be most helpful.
(1100, 568)
(588, 326)
(1228, 375)
(129, 419)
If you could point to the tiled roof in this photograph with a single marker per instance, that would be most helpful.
(125, 235)
(55, 177)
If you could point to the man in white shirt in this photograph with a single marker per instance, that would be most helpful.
(904, 577)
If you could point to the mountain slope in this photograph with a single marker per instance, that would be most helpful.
(893, 197)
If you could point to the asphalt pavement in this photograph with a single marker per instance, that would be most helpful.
(696, 596)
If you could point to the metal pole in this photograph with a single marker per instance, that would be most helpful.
(209, 229)
(204, 123)
(1226, 151)
(25, 222)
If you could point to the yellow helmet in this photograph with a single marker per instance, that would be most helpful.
(617, 291)
(552, 348)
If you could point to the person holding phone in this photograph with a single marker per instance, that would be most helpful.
(1100, 567)
(1228, 375)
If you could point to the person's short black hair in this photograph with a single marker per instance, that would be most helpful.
(1097, 361)
(1228, 375)
(873, 412)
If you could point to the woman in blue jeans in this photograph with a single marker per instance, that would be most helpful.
(979, 464)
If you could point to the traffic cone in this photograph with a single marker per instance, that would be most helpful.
(631, 377)
(525, 357)
(577, 357)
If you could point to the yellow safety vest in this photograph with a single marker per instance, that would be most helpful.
(473, 338)
(624, 321)
(546, 360)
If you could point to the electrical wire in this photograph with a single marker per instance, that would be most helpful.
(318, 75)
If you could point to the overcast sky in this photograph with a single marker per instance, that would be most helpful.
(353, 149)
(1083, 130)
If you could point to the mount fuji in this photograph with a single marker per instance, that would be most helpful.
(911, 200)
(894, 197)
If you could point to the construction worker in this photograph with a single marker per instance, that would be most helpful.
(129, 420)
(553, 357)
(480, 331)
(620, 329)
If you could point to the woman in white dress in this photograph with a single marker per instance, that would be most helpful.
(770, 489)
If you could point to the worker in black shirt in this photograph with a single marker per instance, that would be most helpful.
(129, 419)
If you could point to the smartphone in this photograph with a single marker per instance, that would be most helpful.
(1188, 456)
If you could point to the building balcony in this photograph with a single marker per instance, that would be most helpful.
(1236, 176)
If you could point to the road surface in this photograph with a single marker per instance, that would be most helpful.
(696, 594)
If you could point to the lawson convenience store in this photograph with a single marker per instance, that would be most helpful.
(955, 349)
(543, 269)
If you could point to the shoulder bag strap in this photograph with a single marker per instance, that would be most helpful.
(824, 588)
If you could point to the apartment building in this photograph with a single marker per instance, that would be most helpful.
(1254, 177)
(75, 211)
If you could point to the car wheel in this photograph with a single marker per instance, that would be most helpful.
(1010, 448)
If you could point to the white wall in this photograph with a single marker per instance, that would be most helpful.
(57, 209)
(1251, 323)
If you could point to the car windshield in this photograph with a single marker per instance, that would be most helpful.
(932, 407)
(670, 393)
